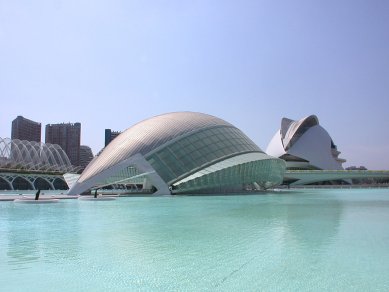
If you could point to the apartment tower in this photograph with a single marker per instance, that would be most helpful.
(25, 129)
(110, 135)
(68, 136)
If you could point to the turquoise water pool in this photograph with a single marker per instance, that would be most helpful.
(308, 240)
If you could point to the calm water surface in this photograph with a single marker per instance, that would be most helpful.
(307, 240)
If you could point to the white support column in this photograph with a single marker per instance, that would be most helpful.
(144, 166)
(138, 161)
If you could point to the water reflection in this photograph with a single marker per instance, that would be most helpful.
(165, 236)
(184, 243)
(41, 233)
(312, 221)
(307, 220)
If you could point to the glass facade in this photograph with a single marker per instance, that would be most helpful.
(198, 150)
(264, 173)
(187, 152)
(149, 135)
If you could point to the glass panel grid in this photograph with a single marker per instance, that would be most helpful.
(200, 148)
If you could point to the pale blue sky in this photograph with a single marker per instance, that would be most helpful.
(111, 64)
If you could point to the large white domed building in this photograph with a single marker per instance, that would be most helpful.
(304, 144)
(183, 152)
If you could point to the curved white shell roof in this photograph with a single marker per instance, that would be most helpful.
(307, 140)
(315, 147)
(184, 151)
(148, 135)
(292, 130)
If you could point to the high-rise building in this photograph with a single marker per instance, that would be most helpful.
(110, 135)
(68, 136)
(86, 156)
(25, 129)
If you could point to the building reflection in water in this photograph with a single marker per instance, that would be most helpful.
(41, 233)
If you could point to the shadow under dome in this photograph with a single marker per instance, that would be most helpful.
(148, 135)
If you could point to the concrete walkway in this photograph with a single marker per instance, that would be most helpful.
(13, 197)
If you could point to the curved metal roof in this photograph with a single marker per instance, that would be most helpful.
(31, 155)
(148, 135)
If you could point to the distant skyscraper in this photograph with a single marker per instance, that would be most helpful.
(25, 129)
(86, 156)
(68, 136)
(110, 135)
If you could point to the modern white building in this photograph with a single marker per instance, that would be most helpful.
(304, 144)
(182, 152)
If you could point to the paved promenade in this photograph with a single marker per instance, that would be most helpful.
(13, 197)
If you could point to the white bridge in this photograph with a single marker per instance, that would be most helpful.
(302, 177)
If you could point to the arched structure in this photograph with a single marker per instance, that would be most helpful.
(182, 152)
(33, 156)
(10, 181)
(304, 144)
